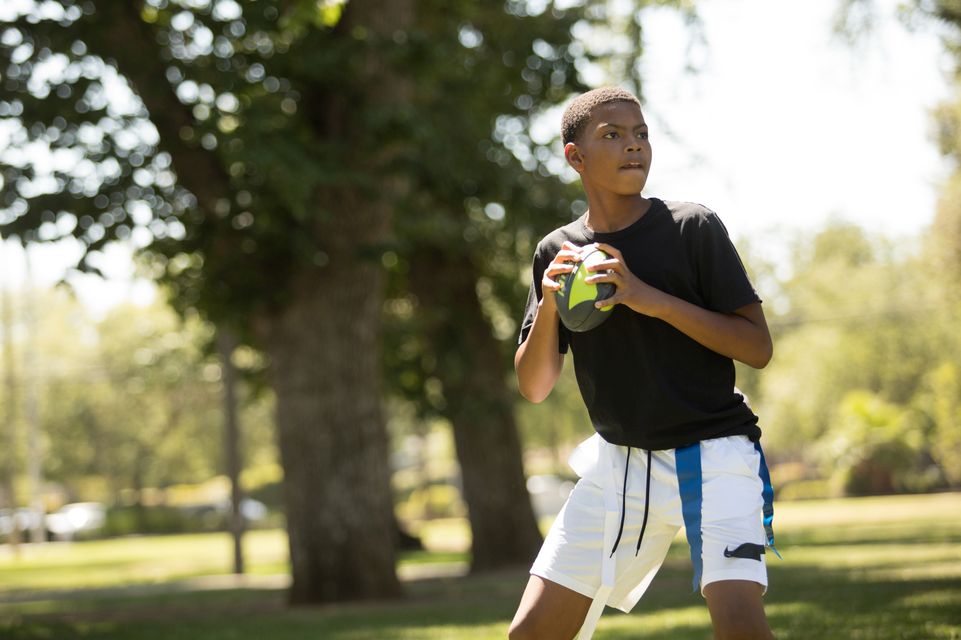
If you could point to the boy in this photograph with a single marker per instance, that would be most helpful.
(676, 444)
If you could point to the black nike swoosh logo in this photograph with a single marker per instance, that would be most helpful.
(747, 551)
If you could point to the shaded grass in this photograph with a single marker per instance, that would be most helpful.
(868, 568)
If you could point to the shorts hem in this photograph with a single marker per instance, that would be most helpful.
(720, 576)
(625, 605)
(565, 581)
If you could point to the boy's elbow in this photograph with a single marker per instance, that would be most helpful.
(532, 394)
(764, 355)
(758, 356)
(534, 382)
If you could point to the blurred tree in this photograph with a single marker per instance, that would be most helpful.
(857, 313)
(288, 134)
(303, 274)
(468, 229)
(138, 406)
(944, 246)
(130, 399)
(226, 347)
(873, 446)
(10, 461)
(940, 402)
(119, 400)
(489, 73)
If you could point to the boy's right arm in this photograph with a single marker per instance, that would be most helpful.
(538, 362)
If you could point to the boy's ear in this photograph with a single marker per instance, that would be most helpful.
(574, 157)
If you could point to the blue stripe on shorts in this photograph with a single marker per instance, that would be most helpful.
(768, 493)
(689, 481)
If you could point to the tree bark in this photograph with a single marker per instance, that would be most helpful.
(325, 349)
(325, 367)
(226, 344)
(480, 408)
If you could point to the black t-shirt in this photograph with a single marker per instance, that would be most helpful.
(645, 383)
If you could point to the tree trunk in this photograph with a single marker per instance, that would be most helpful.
(226, 344)
(9, 462)
(325, 349)
(325, 366)
(480, 408)
(35, 449)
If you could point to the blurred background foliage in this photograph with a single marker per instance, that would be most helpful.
(219, 191)
(863, 396)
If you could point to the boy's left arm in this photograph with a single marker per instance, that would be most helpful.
(742, 335)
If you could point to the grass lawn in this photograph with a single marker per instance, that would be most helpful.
(871, 568)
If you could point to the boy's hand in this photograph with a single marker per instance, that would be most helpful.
(563, 262)
(631, 290)
(741, 335)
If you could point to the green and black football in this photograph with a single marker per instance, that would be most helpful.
(576, 298)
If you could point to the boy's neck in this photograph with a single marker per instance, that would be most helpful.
(606, 215)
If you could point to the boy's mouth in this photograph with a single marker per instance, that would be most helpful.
(633, 165)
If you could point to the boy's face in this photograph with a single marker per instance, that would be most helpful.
(613, 152)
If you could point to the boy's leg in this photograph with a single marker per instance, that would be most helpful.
(733, 539)
(737, 611)
(548, 610)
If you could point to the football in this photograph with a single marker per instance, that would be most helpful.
(576, 298)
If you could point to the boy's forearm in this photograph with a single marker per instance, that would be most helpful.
(742, 335)
(537, 363)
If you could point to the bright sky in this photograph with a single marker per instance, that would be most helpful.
(783, 128)
(786, 126)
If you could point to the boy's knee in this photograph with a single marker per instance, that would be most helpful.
(533, 628)
(737, 611)
(745, 629)
(548, 611)
(521, 630)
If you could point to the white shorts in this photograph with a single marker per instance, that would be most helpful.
(725, 489)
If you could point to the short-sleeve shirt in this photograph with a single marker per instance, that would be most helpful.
(646, 384)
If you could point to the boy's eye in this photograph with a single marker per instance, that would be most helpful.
(611, 134)
(644, 135)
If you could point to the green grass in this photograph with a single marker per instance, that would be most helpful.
(873, 568)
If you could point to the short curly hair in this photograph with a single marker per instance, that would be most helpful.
(579, 111)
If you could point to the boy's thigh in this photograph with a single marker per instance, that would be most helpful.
(548, 610)
(732, 530)
(737, 610)
(575, 550)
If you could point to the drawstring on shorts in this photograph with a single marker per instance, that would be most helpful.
(647, 503)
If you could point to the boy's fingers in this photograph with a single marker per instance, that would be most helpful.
(605, 266)
(609, 250)
(607, 276)
(615, 299)
(550, 284)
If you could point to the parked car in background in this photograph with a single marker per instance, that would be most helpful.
(26, 520)
(76, 519)
(214, 515)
